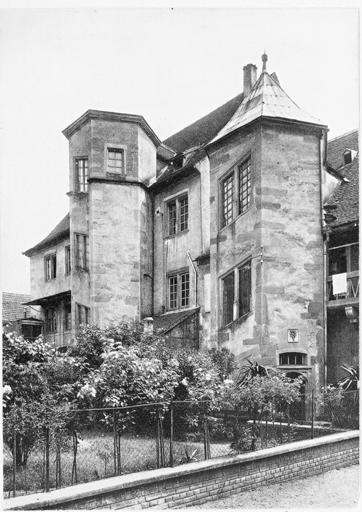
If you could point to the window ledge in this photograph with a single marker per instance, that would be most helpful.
(235, 322)
(234, 220)
(179, 233)
(76, 193)
(294, 367)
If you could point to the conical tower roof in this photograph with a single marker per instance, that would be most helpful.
(266, 99)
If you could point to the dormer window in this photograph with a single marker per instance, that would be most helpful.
(178, 161)
(348, 156)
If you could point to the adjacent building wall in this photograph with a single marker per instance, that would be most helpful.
(170, 252)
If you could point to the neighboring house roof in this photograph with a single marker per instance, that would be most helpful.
(13, 306)
(266, 99)
(345, 198)
(338, 145)
(168, 321)
(60, 232)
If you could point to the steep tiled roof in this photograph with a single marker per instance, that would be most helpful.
(13, 308)
(345, 196)
(60, 232)
(337, 146)
(266, 99)
(203, 130)
(164, 323)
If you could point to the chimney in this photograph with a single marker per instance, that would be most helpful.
(249, 77)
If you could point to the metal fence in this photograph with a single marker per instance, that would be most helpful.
(99, 443)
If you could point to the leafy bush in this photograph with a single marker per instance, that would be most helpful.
(258, 395)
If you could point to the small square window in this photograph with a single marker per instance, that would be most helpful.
(115, 160)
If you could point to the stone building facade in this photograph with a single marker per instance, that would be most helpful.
(217, 233)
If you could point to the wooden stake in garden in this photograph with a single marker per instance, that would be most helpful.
(74, 466)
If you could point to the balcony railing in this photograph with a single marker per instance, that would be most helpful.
(351, 295)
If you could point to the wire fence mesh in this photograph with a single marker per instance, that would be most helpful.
(100, 443)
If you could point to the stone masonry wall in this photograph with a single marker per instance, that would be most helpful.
(202, 482)
(292, 282)
(235, 243)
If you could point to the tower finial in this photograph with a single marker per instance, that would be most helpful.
(264, 58)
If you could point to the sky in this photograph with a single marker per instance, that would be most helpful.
(170, 65)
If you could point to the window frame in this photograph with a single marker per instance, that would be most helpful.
(53, 269)
(348, 256)
(294, 353)
(67, 260)
(77, 182)
(237, 187)
(180, 284)
(83, 265)
(110, 170)
(237, 313)
(52, 322)
(67, 320)
(181, 219)
(81, 311)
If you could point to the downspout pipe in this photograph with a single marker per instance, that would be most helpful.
(322, 162)
(188, 254)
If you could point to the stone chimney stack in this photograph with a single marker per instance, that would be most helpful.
(249, 77)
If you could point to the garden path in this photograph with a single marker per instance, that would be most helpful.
(339, 488)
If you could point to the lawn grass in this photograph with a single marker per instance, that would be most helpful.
(95, 459)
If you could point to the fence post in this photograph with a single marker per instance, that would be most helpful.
(162, 446)
(171, 435)
(207, 453)
(266, 430)
(288, 412)
(114, 443)
(157, 438)
(312, 429)
(46, 459)
(74, 466)
(14, 461)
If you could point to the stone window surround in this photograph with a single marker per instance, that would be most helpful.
(234, 170)
(177, 273)
(108, 146)
(293, 366)
(177, 196)
(235, 269)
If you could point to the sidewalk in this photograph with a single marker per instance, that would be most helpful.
(336, 488)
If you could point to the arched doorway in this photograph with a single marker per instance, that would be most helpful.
(298, 409)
